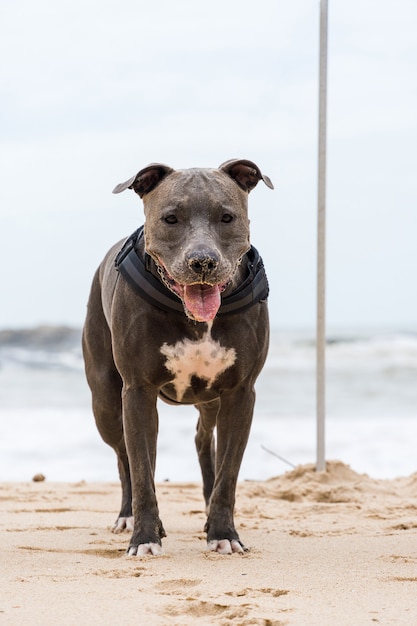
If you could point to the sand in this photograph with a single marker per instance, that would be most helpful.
(334, 548)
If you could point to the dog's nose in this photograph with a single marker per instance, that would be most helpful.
(203, 262)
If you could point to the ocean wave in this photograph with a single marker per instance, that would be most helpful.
(371, 351)
(41, 337)
(42, 347)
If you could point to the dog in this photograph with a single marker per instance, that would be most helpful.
(179, 311)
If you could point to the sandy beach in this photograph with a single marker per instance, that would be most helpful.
(336, 548)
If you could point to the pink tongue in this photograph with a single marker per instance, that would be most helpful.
(202, 301)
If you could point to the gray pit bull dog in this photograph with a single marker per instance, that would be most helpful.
(178, 311)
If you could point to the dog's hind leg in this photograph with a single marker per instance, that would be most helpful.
(206, 445)
(106, 386)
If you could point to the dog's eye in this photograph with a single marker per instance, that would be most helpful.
(171, 219)
(227, 218)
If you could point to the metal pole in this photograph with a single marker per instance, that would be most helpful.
(321, 246)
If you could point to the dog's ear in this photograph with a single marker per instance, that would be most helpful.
(144, 181)
(245, 173)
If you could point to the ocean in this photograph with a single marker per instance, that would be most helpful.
(47, 426)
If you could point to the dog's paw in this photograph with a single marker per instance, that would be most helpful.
(122, 524)
(224, 546)
(145, 548)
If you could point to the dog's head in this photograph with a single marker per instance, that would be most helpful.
(197, 227)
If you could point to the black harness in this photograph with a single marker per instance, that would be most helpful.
(142, 275)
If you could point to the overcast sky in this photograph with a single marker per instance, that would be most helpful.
(94, 90)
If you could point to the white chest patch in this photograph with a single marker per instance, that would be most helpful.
(205, 358)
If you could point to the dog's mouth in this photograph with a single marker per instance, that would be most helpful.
(201, 301)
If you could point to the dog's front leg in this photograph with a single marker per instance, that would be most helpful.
(140, 422)
(233, 427)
